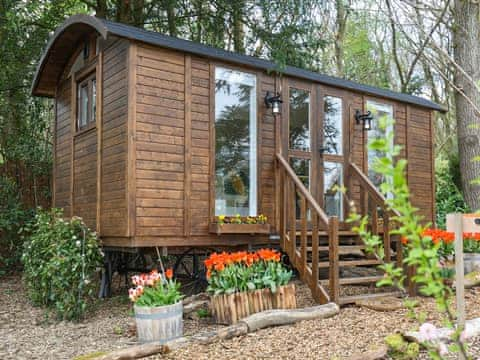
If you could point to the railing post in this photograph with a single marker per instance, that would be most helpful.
(334, 269)
(281, 206)
(292, 221)
(303, 236)
(315, 252)
(386, 236)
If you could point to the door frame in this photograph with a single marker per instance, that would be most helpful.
(317, 94)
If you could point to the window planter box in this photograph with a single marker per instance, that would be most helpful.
(239, 228)
(160, 323)
(229, 309)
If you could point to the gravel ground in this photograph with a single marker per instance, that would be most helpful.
(26, 333)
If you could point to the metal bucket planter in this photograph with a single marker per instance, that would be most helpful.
(159, 324)
(471, 262)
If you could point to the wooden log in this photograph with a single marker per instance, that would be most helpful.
(136, 352)
(226, 333)
(278, 317)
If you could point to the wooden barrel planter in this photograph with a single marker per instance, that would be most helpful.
(229, 309)
(160, 323)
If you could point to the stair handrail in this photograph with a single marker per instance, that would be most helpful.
(298, 256)
(303, 190)
(366, 183)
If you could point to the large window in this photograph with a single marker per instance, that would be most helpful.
(382, 113)
(235, 143)
(332, 126)
(86, 102)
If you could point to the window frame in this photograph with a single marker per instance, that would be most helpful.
(90, 80)
(258, 117)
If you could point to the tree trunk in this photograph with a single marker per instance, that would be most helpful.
(467, 56)
(172, 26)
(237, 23)
(342, 15)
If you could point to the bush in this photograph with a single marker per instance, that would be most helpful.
(449, 198)
(60, 259)
(12, 218)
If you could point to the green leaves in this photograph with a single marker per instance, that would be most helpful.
(239, 277)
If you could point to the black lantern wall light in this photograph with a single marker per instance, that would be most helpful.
(274, 101)
(365, 119)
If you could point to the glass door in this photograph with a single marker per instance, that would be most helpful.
(300, 130)
(332, 153)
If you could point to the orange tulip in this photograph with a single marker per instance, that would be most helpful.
(169, 274)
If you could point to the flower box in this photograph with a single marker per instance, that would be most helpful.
(220, 229)
(159, 323)
(229, 309)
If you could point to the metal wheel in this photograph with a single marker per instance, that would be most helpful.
(190, 271)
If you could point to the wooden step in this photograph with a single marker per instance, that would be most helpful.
(341, 233)
(355, 280)
(346, 263)
(353, 299)
(342, 249)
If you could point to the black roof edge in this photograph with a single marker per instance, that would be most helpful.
(157, 39)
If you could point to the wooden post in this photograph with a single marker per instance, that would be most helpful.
(457, 220)
(334, 270)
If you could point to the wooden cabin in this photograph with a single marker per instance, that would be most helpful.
(155, 136)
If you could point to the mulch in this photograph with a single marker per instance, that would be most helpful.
(27, 333)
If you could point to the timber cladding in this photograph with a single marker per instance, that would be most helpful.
(144, 174)
(113, 207)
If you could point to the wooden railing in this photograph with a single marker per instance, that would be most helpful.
(293, 197)
(373, 203)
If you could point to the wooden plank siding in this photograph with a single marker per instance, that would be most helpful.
(147, 170)
(63, 149)
(160, 140)
(114, 139)
(421, 173)
(85, 177)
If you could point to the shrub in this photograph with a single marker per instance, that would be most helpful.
(153, 289)
(242, 271)
(400, 349)
(60, 259)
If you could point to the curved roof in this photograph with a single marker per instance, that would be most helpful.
(65, 39)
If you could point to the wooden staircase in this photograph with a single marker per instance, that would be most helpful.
(325, 256)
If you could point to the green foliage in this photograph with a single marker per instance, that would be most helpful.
(161, 294)
(399, 349)
(203, 313)
(420, 251)
(60, 259)
(12, 217)
(448, 196)
(238, 278)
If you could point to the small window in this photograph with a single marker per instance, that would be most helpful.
(86, 102)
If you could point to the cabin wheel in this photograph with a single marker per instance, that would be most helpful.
(190, 270)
